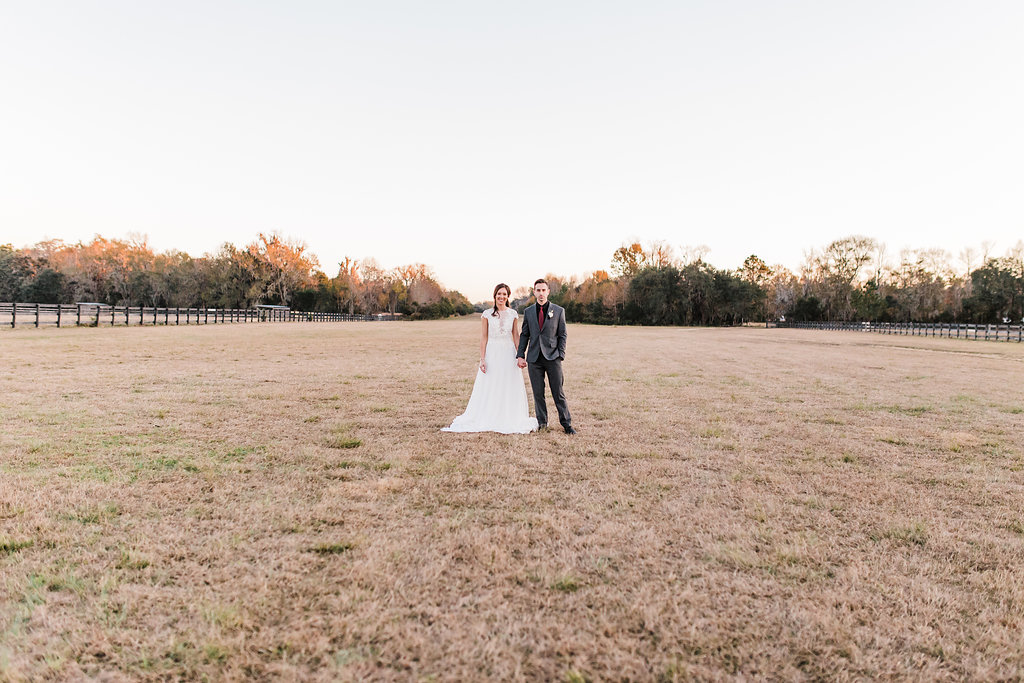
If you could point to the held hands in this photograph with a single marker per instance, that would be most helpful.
(521, 363)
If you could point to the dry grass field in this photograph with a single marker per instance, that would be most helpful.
(276, 502)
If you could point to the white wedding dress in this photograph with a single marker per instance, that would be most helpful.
(498, 402)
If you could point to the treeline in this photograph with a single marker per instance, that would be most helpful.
(851, 279)
(271, 270)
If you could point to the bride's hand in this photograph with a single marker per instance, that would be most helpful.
(483, 366)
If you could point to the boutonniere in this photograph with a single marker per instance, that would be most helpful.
(551, 314)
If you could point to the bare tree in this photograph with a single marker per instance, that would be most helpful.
(693, 254)
(986, 250)
(968, 257)
(659, 254)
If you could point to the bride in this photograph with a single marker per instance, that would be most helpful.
(498, 402)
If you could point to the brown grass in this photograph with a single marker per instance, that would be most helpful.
(277, 502)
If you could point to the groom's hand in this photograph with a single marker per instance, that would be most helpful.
(521, 363)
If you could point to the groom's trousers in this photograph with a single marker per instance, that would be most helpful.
(553, 370)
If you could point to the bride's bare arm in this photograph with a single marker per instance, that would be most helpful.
(483, 346)
(515, 332)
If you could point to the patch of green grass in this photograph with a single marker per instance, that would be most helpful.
(1016, 526)
(898, 410)
(381, 409)
(239, 452)
(163, 463)
(9, 547)
(849, 458)
(343, 442)
(58, 582)
(915, 534)
(312, 419)
(711, 433)
(224, 616)
(339, 438)
(127, 561)
(576, 676)
(215, 654)
(916, 411)
(95, 514)
(894, 441)
(8, 511)
(567, 584)
(180, 652)
(332, 548)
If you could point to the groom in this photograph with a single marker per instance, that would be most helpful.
(544, 325)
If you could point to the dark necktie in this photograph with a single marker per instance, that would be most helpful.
(540, 316)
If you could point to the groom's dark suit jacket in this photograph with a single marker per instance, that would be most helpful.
(550, 341)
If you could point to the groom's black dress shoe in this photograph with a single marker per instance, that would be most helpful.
(570, 430)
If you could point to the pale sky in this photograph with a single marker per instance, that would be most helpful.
(502, 141)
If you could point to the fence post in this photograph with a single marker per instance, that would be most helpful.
(14, 313)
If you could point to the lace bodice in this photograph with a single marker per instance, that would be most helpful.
(500, 327)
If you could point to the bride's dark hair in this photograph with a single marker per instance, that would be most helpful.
(508, 291)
